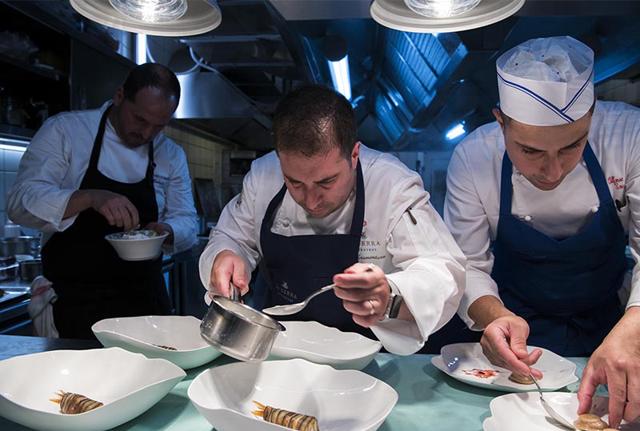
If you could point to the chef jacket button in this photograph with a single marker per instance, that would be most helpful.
(595, 209)
(285, 223)
(527, 218)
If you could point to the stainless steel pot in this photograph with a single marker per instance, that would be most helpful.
(30, 269)
(238, 330)
(8, 272)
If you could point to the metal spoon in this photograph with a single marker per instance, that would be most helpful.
(550, 411)
(285, 310)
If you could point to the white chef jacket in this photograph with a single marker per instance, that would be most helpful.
(57, 158)
(422, 261)
(472, 205)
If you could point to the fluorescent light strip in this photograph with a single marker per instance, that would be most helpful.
(340, 76)
(13, 144)
(141, 48)
(12, 148)
(456, 131)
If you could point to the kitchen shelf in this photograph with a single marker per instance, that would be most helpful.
(43, 72)
(9, 131)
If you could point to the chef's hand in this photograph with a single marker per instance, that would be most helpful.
(117, 209)
(504, 343)
(161, 228)
(365, 292)
(227, 268)
(616, 363)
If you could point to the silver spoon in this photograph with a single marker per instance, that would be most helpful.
(550, 411)
(285, 310)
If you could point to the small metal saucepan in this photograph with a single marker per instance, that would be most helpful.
(238, 330)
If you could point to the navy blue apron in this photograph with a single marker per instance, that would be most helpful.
(566, 289)
(295, 266)
(91, 281)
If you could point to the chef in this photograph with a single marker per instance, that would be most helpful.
(86, 174)
(324, 208)
(541, 202)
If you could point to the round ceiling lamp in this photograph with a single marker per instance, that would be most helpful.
(153, 17)
(441, 16)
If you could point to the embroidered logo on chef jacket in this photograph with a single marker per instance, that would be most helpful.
(618, 183)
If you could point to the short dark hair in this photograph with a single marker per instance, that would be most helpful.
(151, 75)
(314, 119)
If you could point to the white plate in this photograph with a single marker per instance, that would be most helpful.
(321, 344)
(457, 360)
(144, 334)
(127, 383)
(523, 412)
(341, 400)
(395, 14)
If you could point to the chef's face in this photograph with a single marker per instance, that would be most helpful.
(137, 122)
(320, 184)
(545, 155)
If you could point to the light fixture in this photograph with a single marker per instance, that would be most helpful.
(439, 8)
(141, 48)
(153, 17)
(335, 50)
(13, 144)
(455, 132)
(445, 16)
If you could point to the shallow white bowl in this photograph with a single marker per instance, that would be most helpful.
(321, 344)
(137, 249)
(127, 383)
(458, 359)
(524, 412)
(341, 400)
(144, 334)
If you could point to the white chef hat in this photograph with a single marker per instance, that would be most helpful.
(546, 81)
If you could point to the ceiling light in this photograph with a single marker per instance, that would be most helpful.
(153, 17)
(455, 132)
(440, 8)
(151, 10)
(446, 17)
(340, 76)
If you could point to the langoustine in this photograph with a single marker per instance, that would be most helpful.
(73, 404)
(285, 418)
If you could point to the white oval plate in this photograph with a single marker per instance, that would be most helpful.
(457, 360)
(523, 412)
(396, 14)
(321, 344)
(144, 334)
(127, 383)
(341, 400)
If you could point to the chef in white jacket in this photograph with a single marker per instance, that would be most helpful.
(554, 184)
(86, 174)
(324, 208)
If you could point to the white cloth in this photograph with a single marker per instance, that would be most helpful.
(40, 308)
(58, 156)
(421, 260)
(546, 81)
(472, 204)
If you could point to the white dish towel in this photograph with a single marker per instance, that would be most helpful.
(41, 308)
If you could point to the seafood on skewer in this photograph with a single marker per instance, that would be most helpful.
(165, 347)
(285, 418)
(73, 404)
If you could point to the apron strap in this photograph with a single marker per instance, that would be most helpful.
(597, 176)
(506, 187)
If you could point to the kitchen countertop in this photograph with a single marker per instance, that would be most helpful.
(428, 398)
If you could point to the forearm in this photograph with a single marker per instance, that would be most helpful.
(80, 200)
(486, 309)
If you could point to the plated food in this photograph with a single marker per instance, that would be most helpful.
(73, 404)
(521, 379)
(590, 422)
(285, 418)
(467, 363)
(137, 245)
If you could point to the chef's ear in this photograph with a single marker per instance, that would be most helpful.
(118, 96)
(499, 118)
(355, 153)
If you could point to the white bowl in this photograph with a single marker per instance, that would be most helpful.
(144, 334)
(341, 400)
(321, 344)
(135, 249)
(127, 383)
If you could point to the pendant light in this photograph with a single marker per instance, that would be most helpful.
(153, 17)
(441, 16)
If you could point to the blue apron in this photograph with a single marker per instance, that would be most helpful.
(295, 266)
(566, 289)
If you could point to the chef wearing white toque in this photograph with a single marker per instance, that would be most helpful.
(542, 202)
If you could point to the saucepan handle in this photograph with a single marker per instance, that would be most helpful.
(234, 293)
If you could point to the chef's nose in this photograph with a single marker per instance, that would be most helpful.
(311, 199)
(553, 169)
